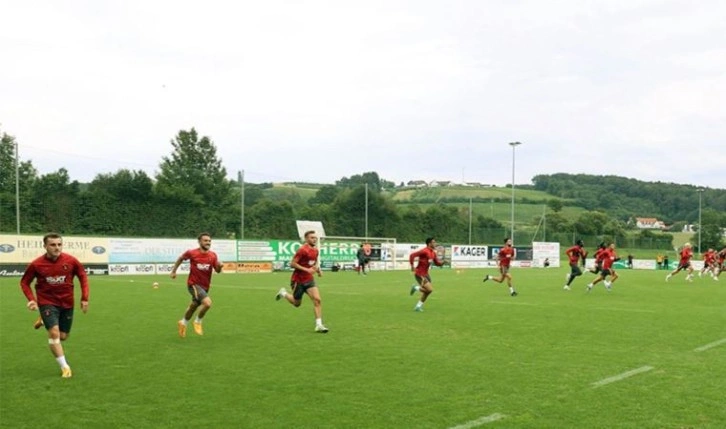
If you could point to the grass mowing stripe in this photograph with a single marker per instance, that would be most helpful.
(480, 421)
(622, 376)
(710, 345)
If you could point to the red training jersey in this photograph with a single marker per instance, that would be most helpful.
(608, 257)
(686, 255)
(306, 256)
(425, 257)
(54, 280)
(599, 255)
(505, 256)
(709, 257)
(201, 265)
(575, 253)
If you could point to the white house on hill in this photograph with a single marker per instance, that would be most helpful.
(649, 223)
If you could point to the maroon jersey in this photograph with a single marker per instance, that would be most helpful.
(599, 255)
(686, 255)
(201, 265)
(305, 256)
(505, 256)
(709, 257)
(54, 280)
(575, 253)
(425, 257)
(608, 257)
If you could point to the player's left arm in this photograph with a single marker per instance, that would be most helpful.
(217, 264)
(85, 290)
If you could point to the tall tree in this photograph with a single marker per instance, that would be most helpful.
(27, 175)
(58, 204)
(194, 186)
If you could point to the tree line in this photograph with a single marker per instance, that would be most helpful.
(192, 192)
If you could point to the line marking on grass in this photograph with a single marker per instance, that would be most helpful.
(480, 421)
(516, 303)
(622, 376)
(710, 345)
(636, 310)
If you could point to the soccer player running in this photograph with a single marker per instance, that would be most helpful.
(201, 263)
(709, 263)
(720, 263)
(305, 265)
(425, 256)
(504, 260)
(599, 255)
(608, 257)
(574, 253)
(53, 273)
(684, 263)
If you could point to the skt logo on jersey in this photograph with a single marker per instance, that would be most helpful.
(55, 280)
(204, 267)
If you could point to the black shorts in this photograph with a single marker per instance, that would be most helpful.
(606, 272)
(685, 266)
(198, 293)
(575, 269)
(52, 316)
(420, 279)
(299, 289)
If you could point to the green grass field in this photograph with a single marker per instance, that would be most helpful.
(523, 213)
(545, 359)
(413, 194)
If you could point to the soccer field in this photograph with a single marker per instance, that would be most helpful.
(649, 354)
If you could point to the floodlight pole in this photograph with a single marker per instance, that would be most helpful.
(514, 145)
(469, 220)
(366, 215)
(700, 195)
(241, 179)
(17, 190)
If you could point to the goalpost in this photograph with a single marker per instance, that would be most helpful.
(344, 249)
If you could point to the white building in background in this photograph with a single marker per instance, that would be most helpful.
(649, 223)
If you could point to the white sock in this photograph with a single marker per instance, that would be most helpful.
(319, 322)
(184, 321)
(417, 288)
(61, 361)
(419, 304)
(589, 286)
(197, 320)
(511, 289)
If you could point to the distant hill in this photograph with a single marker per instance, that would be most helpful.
(624, 198)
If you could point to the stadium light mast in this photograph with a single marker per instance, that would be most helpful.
(17, 190)
(514, 146)
(700, 197)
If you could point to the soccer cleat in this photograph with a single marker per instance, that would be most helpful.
(66, 372)
(486, 277)
(668, 277)
(321, 329)
(566, 287)
(198, 328)
(589, 288)
(38, 323)
(418, 309)
(514, 293)
(280, 294)
(182, 329)
(413, 290)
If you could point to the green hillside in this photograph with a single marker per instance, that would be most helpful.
(466, 192)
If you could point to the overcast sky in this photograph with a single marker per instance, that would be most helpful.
(317, 90)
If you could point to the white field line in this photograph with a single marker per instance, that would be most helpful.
(635, 310)
(513, 302)
(622, 376)
(480, 421)
(710, 345)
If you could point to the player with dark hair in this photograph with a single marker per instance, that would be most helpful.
(608, 257)
(201, 263)
(305, 264)
(599, 254)
(425, 256)
(574, 253)
(53, 273)
(504, 260)
(684, 263)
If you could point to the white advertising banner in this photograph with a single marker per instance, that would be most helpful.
(256, 251)
(543, 250)
(160, 250)
(131, 269)
(468, 253)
